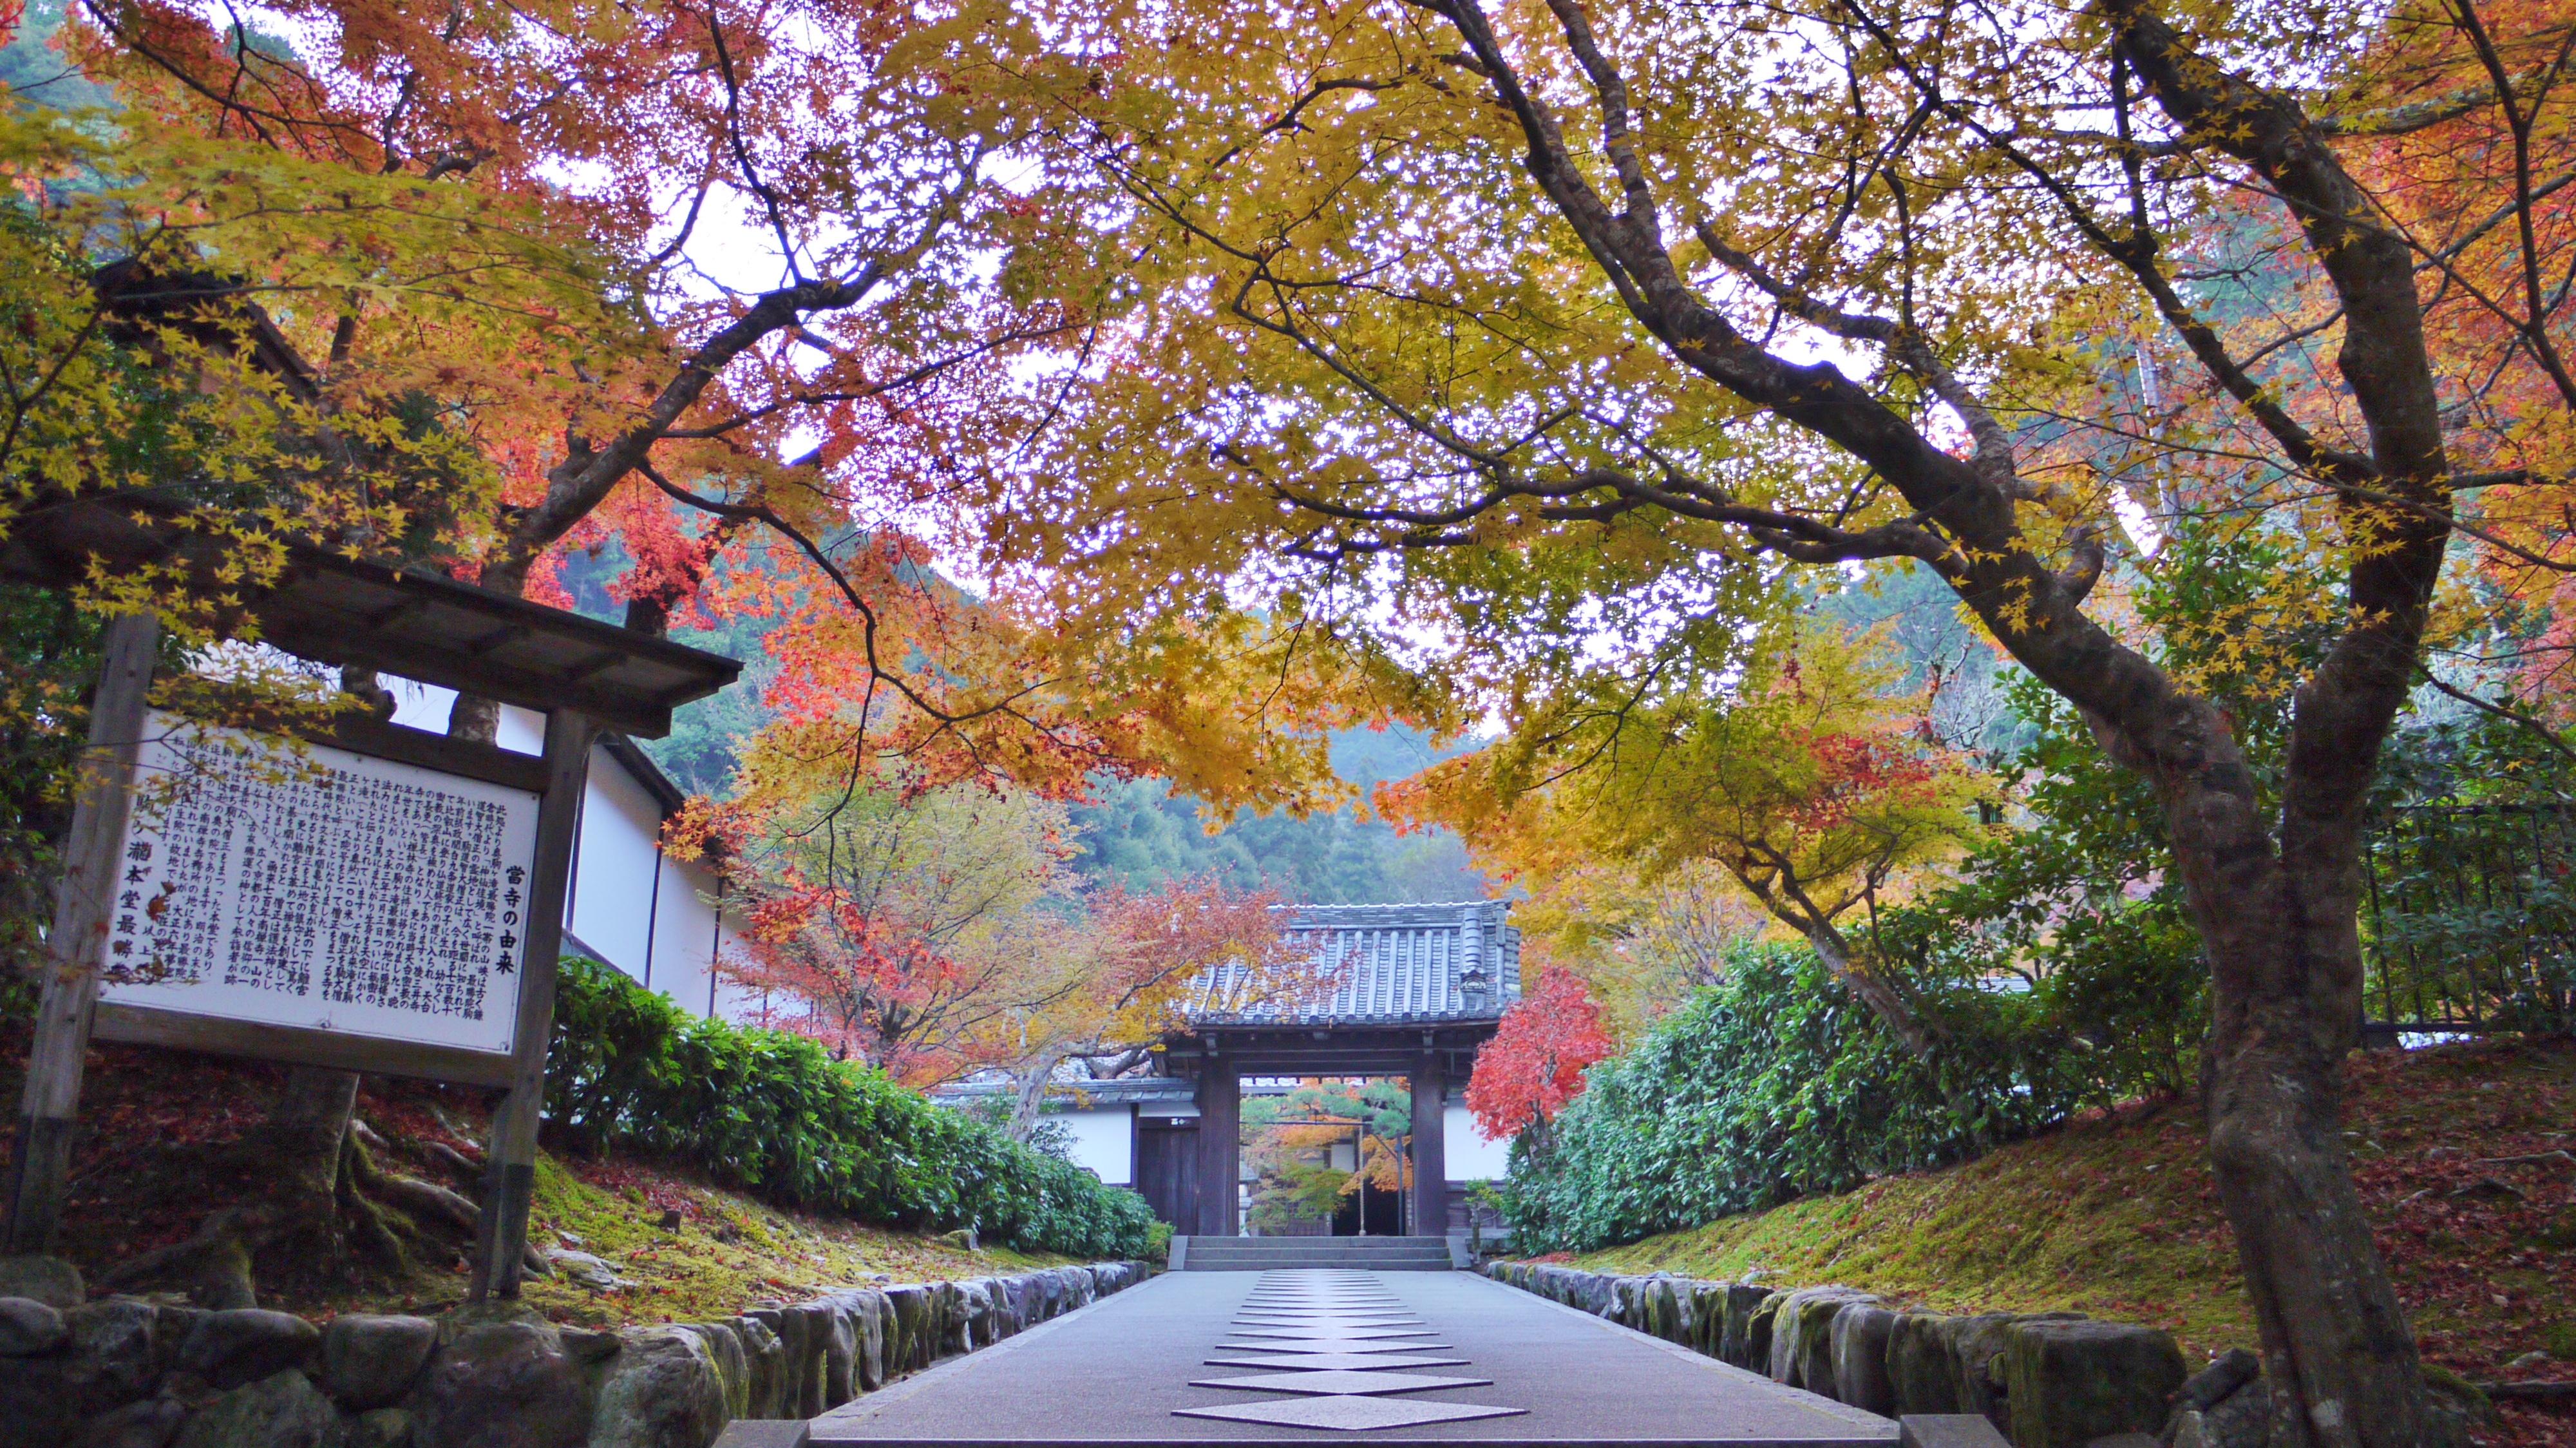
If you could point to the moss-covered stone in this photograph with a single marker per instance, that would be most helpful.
(666, 1391)
(281, 1411)
(1735, 1333)
(1759, 1329)
(1861, 1334)
(1802, 1351)
(2069, 1383)
(1922, 1371)
(501, 1379)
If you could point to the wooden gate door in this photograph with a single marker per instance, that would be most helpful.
(1167, 1172)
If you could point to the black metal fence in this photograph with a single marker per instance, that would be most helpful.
(2470, 919)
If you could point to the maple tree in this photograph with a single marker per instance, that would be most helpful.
(937, 932)
(1384, 359)
(1103, 987)
(2469, 156)
(467, 290)
(1535, 345)
(1807, 779)
(725, 295)
(1534, 1064)
(1643, 940)
(886, 925)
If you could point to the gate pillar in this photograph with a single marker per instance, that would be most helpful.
(1220, 1144)
(1430, 1160)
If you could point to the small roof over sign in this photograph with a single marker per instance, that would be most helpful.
(353, 612)
(443, 632)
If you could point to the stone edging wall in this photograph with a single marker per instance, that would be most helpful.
(2048, 1380)
(133, 1373)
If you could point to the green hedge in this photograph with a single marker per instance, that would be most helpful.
(1770, 1085)
(1776, 1084)
(771, 1113)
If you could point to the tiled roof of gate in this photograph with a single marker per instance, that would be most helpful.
(1383, 964)
(1074, 1093)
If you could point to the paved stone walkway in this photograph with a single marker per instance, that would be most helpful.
(1340, 1358)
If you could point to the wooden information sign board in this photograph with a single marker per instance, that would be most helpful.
(359, 914)
(333, 892)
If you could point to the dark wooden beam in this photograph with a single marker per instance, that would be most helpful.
(1220, 1146)
(406, 745)
(511, 1157)
(1430, 1154)
(299, 1045)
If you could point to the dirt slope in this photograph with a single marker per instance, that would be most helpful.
(2465, 1155)
(154, 1158)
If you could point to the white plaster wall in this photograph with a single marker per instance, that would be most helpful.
(520, 729)
(421, 706)
(1467, 1156)
(684, 935)
(1104, 1140)
(613, 905)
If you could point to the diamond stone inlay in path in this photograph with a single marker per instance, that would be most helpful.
(1365, 1307)
(1360, 1334)
(1327, 1361)
(1350, 1413)
(1333, 1314)
(1334, 1345)
(1340, 1381)
(1338, 1346)
(1329, 1326)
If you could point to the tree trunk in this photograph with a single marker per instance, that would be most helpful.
(1030, 1096)
(297, 1232)
(2334, 1336)
(306, 1128)
(1902, 1021)
(2286, 971)
(2276, 911)
(474, 717)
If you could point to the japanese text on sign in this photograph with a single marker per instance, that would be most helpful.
(339, 892)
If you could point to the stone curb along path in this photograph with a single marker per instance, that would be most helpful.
(136, 1373)
(2048, 1380)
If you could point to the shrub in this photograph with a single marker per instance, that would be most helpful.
(770, 1112)
(1770, 1085)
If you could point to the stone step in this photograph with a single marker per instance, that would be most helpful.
(1214, 1249)
(1331, 1264)
(1377, 1243)
(1252, 1254)
(1436, 1249)
(1198, 1255)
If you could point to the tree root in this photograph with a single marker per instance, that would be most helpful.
(429, 1200)
(317, 1219)
(214, 1265)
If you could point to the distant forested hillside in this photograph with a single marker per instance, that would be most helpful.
(1139, 834)
(1135, 832)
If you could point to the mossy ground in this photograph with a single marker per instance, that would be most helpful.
(729, 1249)
(2117, 1216)
(151, 1163)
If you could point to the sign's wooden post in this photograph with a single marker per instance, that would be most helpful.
(511, 1156)
(83, 908)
